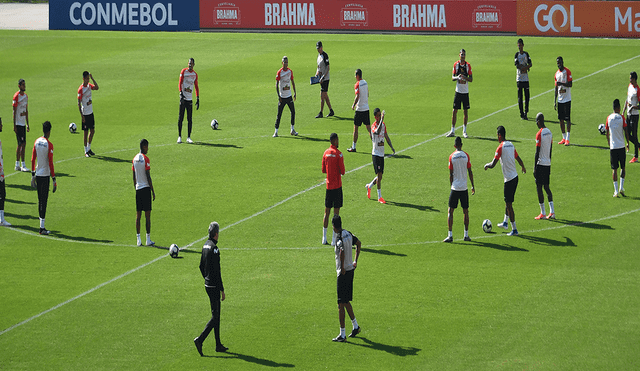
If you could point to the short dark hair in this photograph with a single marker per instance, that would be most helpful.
(520, 41)
(143, 143)
(46, 127)
(376, 111)
(359, 73)
(616, 103)
(21, 81)
(333, 136)
(337, 222)
(540, 117)
(463, 51)
(502, 131)
(85, 74)
(559, 59)
(458, 142)
(192, 60)
(634, 75)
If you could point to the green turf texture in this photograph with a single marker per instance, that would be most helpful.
(562, 296)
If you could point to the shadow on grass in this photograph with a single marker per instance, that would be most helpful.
(252, 359)
(302, 137)
(216, 145)
(64, 175)
(391, 349)
(576, 223)
(382, 252)
(548, 241)
(111, 159)
(586, 146)
(496, 246)
(18, 216)
(336, 117)
(404, 157)
(57, 234)
(20, 202)
(24, 187)
(412, 206)
(495, 139)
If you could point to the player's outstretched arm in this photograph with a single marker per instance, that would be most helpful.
(491, 164)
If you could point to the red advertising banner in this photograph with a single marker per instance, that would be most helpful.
(579, 18)
(373, 15)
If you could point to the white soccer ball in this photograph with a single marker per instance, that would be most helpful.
(173, 250)
(72, 127)
(486, 225)
(602, 129)
(214, 124)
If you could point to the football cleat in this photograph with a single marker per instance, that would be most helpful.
(90, 152)
(382, 201)
(621, 192)
(5, 223)
(179, 140)
(566, 142)
(562, 141)
(44, 232)
(541, 216)
(221, 348)
(351, 149)
(294, 133)
(633, 160)
(18, 168)
(24, 169)
(464, 134)
(339, 339)
(368, 191)
(330, 113)
(615, 194)
(467, 238)
(319, 115)
(150, 243)
(198, 345)
(451, 134)
(86, 154)
(504, 225)
(189, 140)
(355, 332)
(275, 135)
(448, 239)
(513, 232)
(551, 216)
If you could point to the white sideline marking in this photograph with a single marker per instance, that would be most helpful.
(293, 196)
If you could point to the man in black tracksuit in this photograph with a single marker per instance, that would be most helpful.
(210, 269)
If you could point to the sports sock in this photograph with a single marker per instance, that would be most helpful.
(41, 223)
(291, 127)
(334, 238)
(464, 128)
(564, 136)
(343, 332)
(89, 147)
(379, 193)
(86, 149)
(324, 234)
(148, 237)
(276, 130)
(17, 163)
(354, 322)
(542, 208)
(353, 145)
(450, 234)
(621, 184)
(23, 165)
(1, 215)
(513, 225)
(506, 219)
(551, 207)
(615, 186)
(466, 233)
(568, 133)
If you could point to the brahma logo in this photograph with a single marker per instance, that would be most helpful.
(556, 19)
(226, 13)
(354, 15)
(419, 16)
(487, 16)
(289, 14)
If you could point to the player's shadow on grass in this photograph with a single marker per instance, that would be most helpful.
(391, 349)
(577, 223)
(64, 175)
(24, 187)
(311, 139)
(413, 206)
(252, 359)
(497, 246)
(495, 139)
(404, 157)
(77, 238)
(548, 241)
(586, 146)
(111, 159)
(216, 145)
(18, 216)
(20, 202)
(336, 117)
(382, 252)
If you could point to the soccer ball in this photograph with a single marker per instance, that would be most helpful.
(214, 124)
(173, 250)
(602, 129)
(486, 225)
(72, 127)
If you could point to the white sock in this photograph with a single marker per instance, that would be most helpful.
(17, 163)
(353, 145)
(464, 128)
(453, 128)
(379, 193)
(292, 128)
(343, 332)
(450, 234)
(148, 237)
(354, 322)
(621, 184)
(89, 147)
(506, 219)
(466, 233)
(276, 130)
(41, 223)
(542, 208)
(23, 165)
(372, 182)
(1, 215)
(513, 225)
(138, 236)
(334, 238)
(551, 207)
(615, 186)
(324, 234)
(568, 133)
(86, 149)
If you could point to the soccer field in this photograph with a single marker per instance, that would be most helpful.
(561, 296)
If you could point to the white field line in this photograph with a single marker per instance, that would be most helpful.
(288, 199)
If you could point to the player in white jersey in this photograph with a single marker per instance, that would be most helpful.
(523, 64)
(617, 131)
(284, 82)
(378, 136)
(323, 73)
(85, 105)
(21, 123)
(345, 268)
(462, 75)
(459, 166)
(187, 84)
(507, 154)
(42, 170)
(361, 105)
(562, 99)
(144, 189)
(631, 107)
(542, 168)
(3, 192)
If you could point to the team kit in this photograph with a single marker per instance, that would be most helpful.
(620, 129)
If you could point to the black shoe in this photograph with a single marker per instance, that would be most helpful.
(44, 232)
(525, 117)
(339, 339)
(221, 348)
(448, 239)
(90, 152)
(330, 113)
(351, 149)
(198, 344)
(319, 116)
(355, 332)
(468, 239)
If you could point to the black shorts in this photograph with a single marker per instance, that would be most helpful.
(324, 86)
(463, 196)
(523, 84)
(143, 199)
(21, 134)
(461, 100)
(542, 174)
(378, 164)
(564, 111)
(618, 157)
(89, 122)
(510, 190)
(345, 287)
(333, 198)
(362, 117)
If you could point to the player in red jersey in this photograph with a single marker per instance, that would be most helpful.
(144, 189)
(42, 170)
(284, 82)
(85, 105)
(333, 166)
(188, 82)
(21, 122)
(462, 75)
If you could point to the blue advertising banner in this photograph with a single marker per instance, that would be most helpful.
(118, 15)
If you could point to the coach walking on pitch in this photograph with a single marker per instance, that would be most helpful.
(323, 73)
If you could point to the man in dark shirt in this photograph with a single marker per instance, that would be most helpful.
(210, 269)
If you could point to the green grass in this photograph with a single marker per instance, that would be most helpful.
(562, 296)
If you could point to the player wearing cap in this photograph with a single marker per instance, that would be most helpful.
(617, 131)
(333, 166)
(562, 98)
(323, 73)
(3, 192)
(85, 105)
(523, 65)
(188, 82)
(459, 166)
(462, 75)
(210, 269)
(144, 189)
(21, 123)
(542, 168)
(41, 170)
(345, 268)
(284, 82)
(361, 105)
(378, 136)
(631, 107)
(507, 154)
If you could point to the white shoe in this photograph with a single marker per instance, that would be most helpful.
(275, 134)
(294, 133)
(179, 139)
(25, 170)
(451, 133)
(504, 225)
(150, 243)
(139, 243)
(615, 194)
(189, 141)
(324, 242)
(18, 168)
(5, 223)
(465, 135)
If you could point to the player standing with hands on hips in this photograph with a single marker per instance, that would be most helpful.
(631, 107)
(562, 99)
(378, 136)
(85, 105)
(41, 170)
(462, 75)
(284, 82)
(144, 189)
(21, 122)
(3, 192)
(188, 82)
(459, 166)
(323, 73)
(617, 131)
